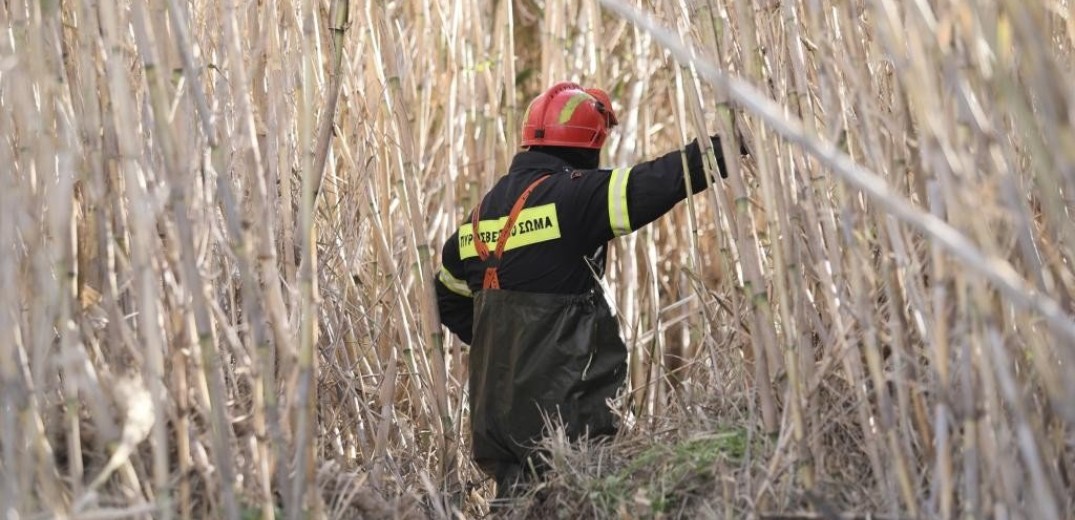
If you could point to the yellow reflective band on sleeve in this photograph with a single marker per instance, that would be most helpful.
(617, 202)
(571, 105)
(454, 284)
(534, 225)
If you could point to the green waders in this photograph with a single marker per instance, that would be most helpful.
(537, 355)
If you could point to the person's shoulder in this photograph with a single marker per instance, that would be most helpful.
(589, 174)
(582, 182)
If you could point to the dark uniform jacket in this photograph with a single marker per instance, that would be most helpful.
(546, 343)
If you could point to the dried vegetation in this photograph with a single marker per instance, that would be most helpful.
(221, 219)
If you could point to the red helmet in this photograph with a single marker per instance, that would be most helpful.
(569, 115)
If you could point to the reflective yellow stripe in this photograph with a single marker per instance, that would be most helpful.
(534, 225)
(617, 202)
(571, 105)
(454, 284)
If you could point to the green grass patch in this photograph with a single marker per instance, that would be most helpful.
(664, 476)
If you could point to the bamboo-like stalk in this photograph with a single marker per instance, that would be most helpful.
(752, 253)
(302, 501)
(155, 355)
(151, 194)
(311, 186)
(717, 37)
(82, 92)
(274, 357)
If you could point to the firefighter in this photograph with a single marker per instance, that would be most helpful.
(518, 280)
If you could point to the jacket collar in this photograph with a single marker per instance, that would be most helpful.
(528, 161)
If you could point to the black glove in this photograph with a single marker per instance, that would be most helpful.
(718, 151)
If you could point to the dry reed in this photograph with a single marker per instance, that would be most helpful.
(222, 220)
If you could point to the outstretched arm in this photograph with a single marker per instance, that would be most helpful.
(620, 202)
(655, 187)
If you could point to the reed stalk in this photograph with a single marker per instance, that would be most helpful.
(222, 221)
(302, 499)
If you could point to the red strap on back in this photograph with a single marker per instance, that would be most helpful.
(492, 281)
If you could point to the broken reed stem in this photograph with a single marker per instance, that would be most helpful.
(339, 19)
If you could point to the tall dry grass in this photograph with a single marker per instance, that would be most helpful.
(222, 220)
